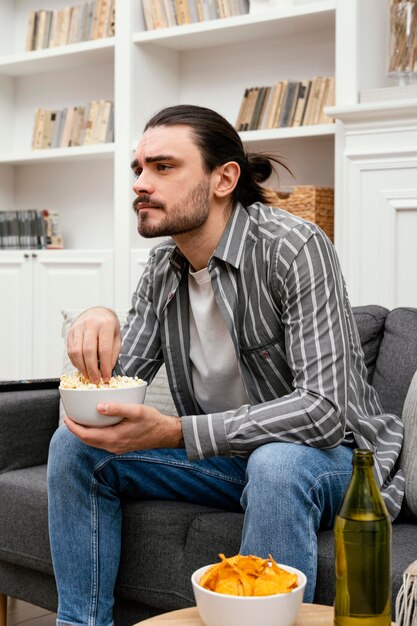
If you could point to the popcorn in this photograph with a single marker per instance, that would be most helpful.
(78, 381)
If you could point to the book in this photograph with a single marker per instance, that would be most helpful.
(312, 104)
(31, 29)
(73, 25)
(278, 109)
(38, 132)
(288, 104)
(169, 6)
(329, 100)
(158, 14)
(302, 99)
(66, 131)
(40, 30)
(272, 105)
(103, 121)
(76, 126)
(104, 18)
(88, 130)
(183, 12)
(259, 104)
(147, 14)
(250, 108)
(264, 106)
(241, 111)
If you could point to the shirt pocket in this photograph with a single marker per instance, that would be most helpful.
(268, 367)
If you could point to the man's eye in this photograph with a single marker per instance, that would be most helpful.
(136, 174)
(163, 168)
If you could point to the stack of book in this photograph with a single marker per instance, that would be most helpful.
(31, 229)
(93, 19)
(168, 13)
(287, 103)
(74, 126)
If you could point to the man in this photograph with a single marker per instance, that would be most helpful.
(247, 308)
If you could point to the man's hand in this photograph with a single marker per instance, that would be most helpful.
(142, 428)
(94, 343)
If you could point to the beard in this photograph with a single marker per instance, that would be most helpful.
(184, 216)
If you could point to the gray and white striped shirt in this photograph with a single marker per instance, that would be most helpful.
(277, 281)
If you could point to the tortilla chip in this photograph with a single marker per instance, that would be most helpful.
(248, 576)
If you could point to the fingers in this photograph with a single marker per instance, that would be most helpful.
(75, 349)
(94, 344)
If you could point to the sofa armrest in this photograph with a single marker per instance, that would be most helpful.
(29, 415)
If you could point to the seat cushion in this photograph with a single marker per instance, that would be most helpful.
(397, 359)
(164, 542)
(370, 321)
(24, 519)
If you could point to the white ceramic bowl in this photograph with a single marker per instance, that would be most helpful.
(81, 404)
(218, 609)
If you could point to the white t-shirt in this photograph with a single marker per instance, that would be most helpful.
(217, 382)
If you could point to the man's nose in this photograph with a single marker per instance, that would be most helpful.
(142, 184)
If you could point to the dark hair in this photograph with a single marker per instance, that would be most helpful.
(219, 143)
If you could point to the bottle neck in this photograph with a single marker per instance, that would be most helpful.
(363, 499)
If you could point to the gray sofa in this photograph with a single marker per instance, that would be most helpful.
(163, 542)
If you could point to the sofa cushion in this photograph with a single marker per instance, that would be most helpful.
(28, 419)
(370, 321)
(397, 359)
(164, 542)
(24, 519)
(408, 458)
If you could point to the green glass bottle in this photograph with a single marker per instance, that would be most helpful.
(363, 550)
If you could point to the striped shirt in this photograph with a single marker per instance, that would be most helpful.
(277, 281)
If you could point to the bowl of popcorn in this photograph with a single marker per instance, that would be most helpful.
(248, 590)
(80, 397)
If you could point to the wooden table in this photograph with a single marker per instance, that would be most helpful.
(309, 615)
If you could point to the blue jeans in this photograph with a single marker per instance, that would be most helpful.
(287, 491)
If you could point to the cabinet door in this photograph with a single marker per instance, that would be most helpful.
(65, 280)
(15, 315)
(380, 253)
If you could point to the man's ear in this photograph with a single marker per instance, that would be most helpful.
(225, 178)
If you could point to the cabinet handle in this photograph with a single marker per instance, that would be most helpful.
(34, 256)
(26, 256)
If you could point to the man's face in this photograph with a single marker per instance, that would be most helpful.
(173, 191)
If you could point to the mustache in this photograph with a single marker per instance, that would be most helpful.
(146, 199)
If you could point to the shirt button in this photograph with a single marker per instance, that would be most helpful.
(265, 354)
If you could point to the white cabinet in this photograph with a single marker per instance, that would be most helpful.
(15, 315)
(378, 188)
(37, 286)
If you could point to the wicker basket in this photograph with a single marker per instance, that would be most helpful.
(315, 204)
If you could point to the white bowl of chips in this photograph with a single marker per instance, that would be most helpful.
(80, 397)
(228, 609)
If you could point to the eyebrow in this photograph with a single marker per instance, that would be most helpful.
(153, 159)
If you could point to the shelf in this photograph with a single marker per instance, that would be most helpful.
(298, 132)
(375, 111)
(315, 16)
(58, 58)
(76, 153)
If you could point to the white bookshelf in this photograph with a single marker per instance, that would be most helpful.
(141, 71)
